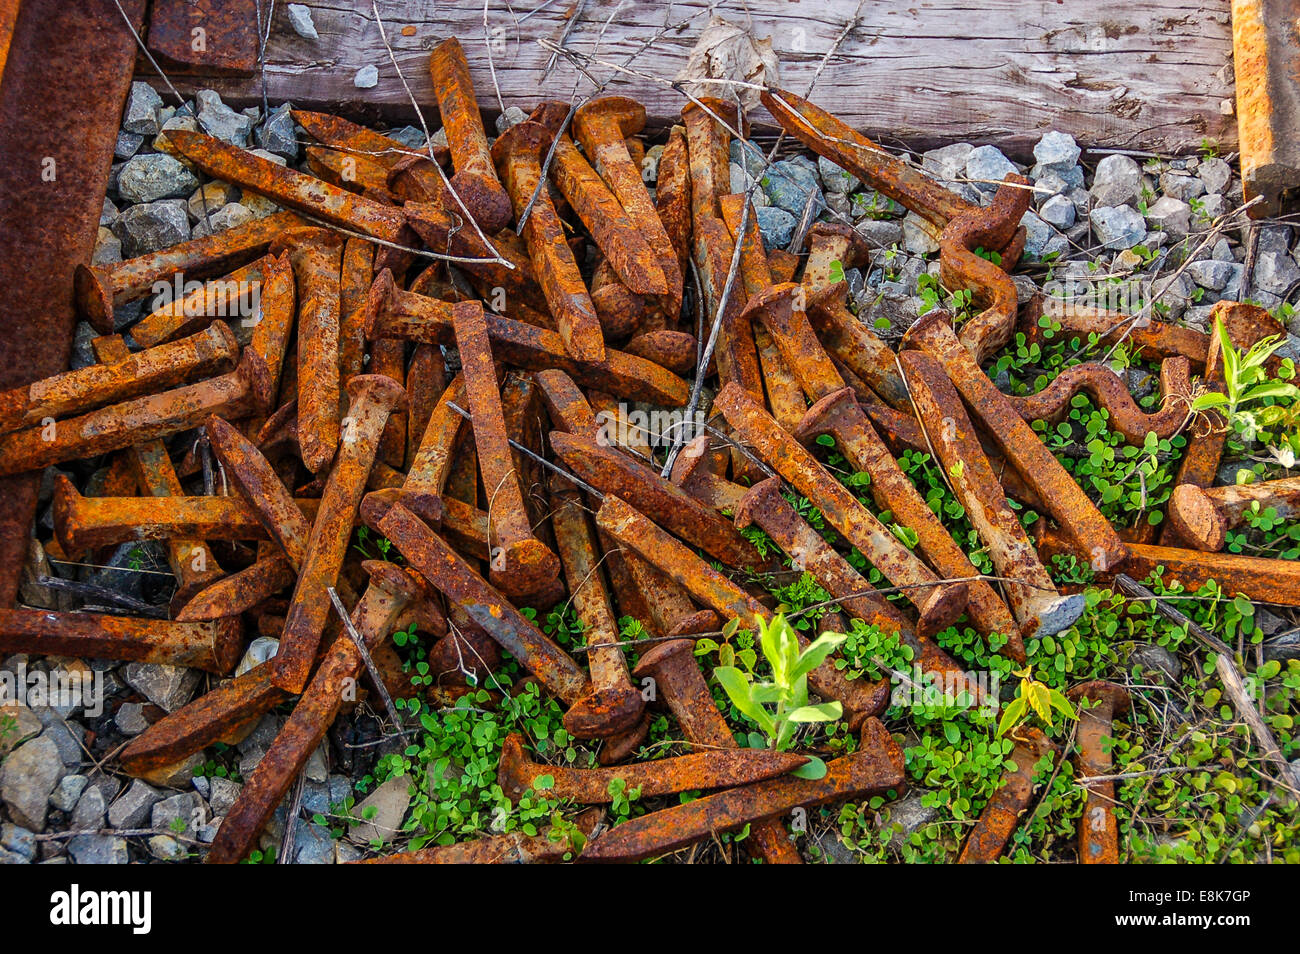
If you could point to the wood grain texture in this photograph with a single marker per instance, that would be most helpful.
(1153, 75)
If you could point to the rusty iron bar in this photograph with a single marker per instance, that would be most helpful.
(1001, 813)
(356, 275)
(1266, 63)
(426, 379)
(191, 561)
(1093, 537)
(393, 313)
(615, 705)
(1040, 610)
(613, 472)
(510, 848)
(1109, 393)
(841, 333)
(711, 768)
(225, 713)
(371, 398)
(99, 288)
(422, 488)
(938, 603)
(521, 564)
(87, 523)
(213, 647)
(431, 556)
(62, 61)
(680, 685)
(348, 137)
(239, 591)
(784, 396)
(298, 191)
(875, 768)
(1261, 579)
(612, 229)
(317, 256)
(129, 422)
(390, 591)
(475, 179)
(1202, 517)
(603, 126)
(518, 155)
(673, 199)
(219, 37)
(223, 297)
(74, 392)
(1098, 830)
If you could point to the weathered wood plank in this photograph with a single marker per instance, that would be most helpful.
(1153, 75)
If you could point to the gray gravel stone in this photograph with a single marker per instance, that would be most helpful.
(1214, 173)
(1275, 272)
(277, 135)
(509, 119)
(166, 848)
(1058, 211)
(90, 811)
(259, 651)
(790, 182)
(1170, 214)
(108, 249)
(62, 735)
(67, 792)
(109, 214)
(130, 719)
(880, 233)
(1119, 226)
(168, 687)
(301, 21)
(1056, 151)
(99, 850)
(312, 845)
(987, 163)
(1213, 274)
(152, 226)
(219, 120)
(19, 841)
(916, 238)
(183, 806)
(1153, 657)
(367, 77)
(229, 216)
(776, 226)
(127, 145)
(131, 809)
(1117, 181)
(1181, 187)
(142, 105)
(834, 178)
(153, 177)
(224, 793)
(27, 777)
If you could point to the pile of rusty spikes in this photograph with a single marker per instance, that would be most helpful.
(347, 430)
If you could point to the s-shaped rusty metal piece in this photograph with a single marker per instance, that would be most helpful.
(1108, 392)
(1098, 831)
(371, 398)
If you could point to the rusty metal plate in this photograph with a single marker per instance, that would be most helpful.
(212, 35)
(66, 79)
